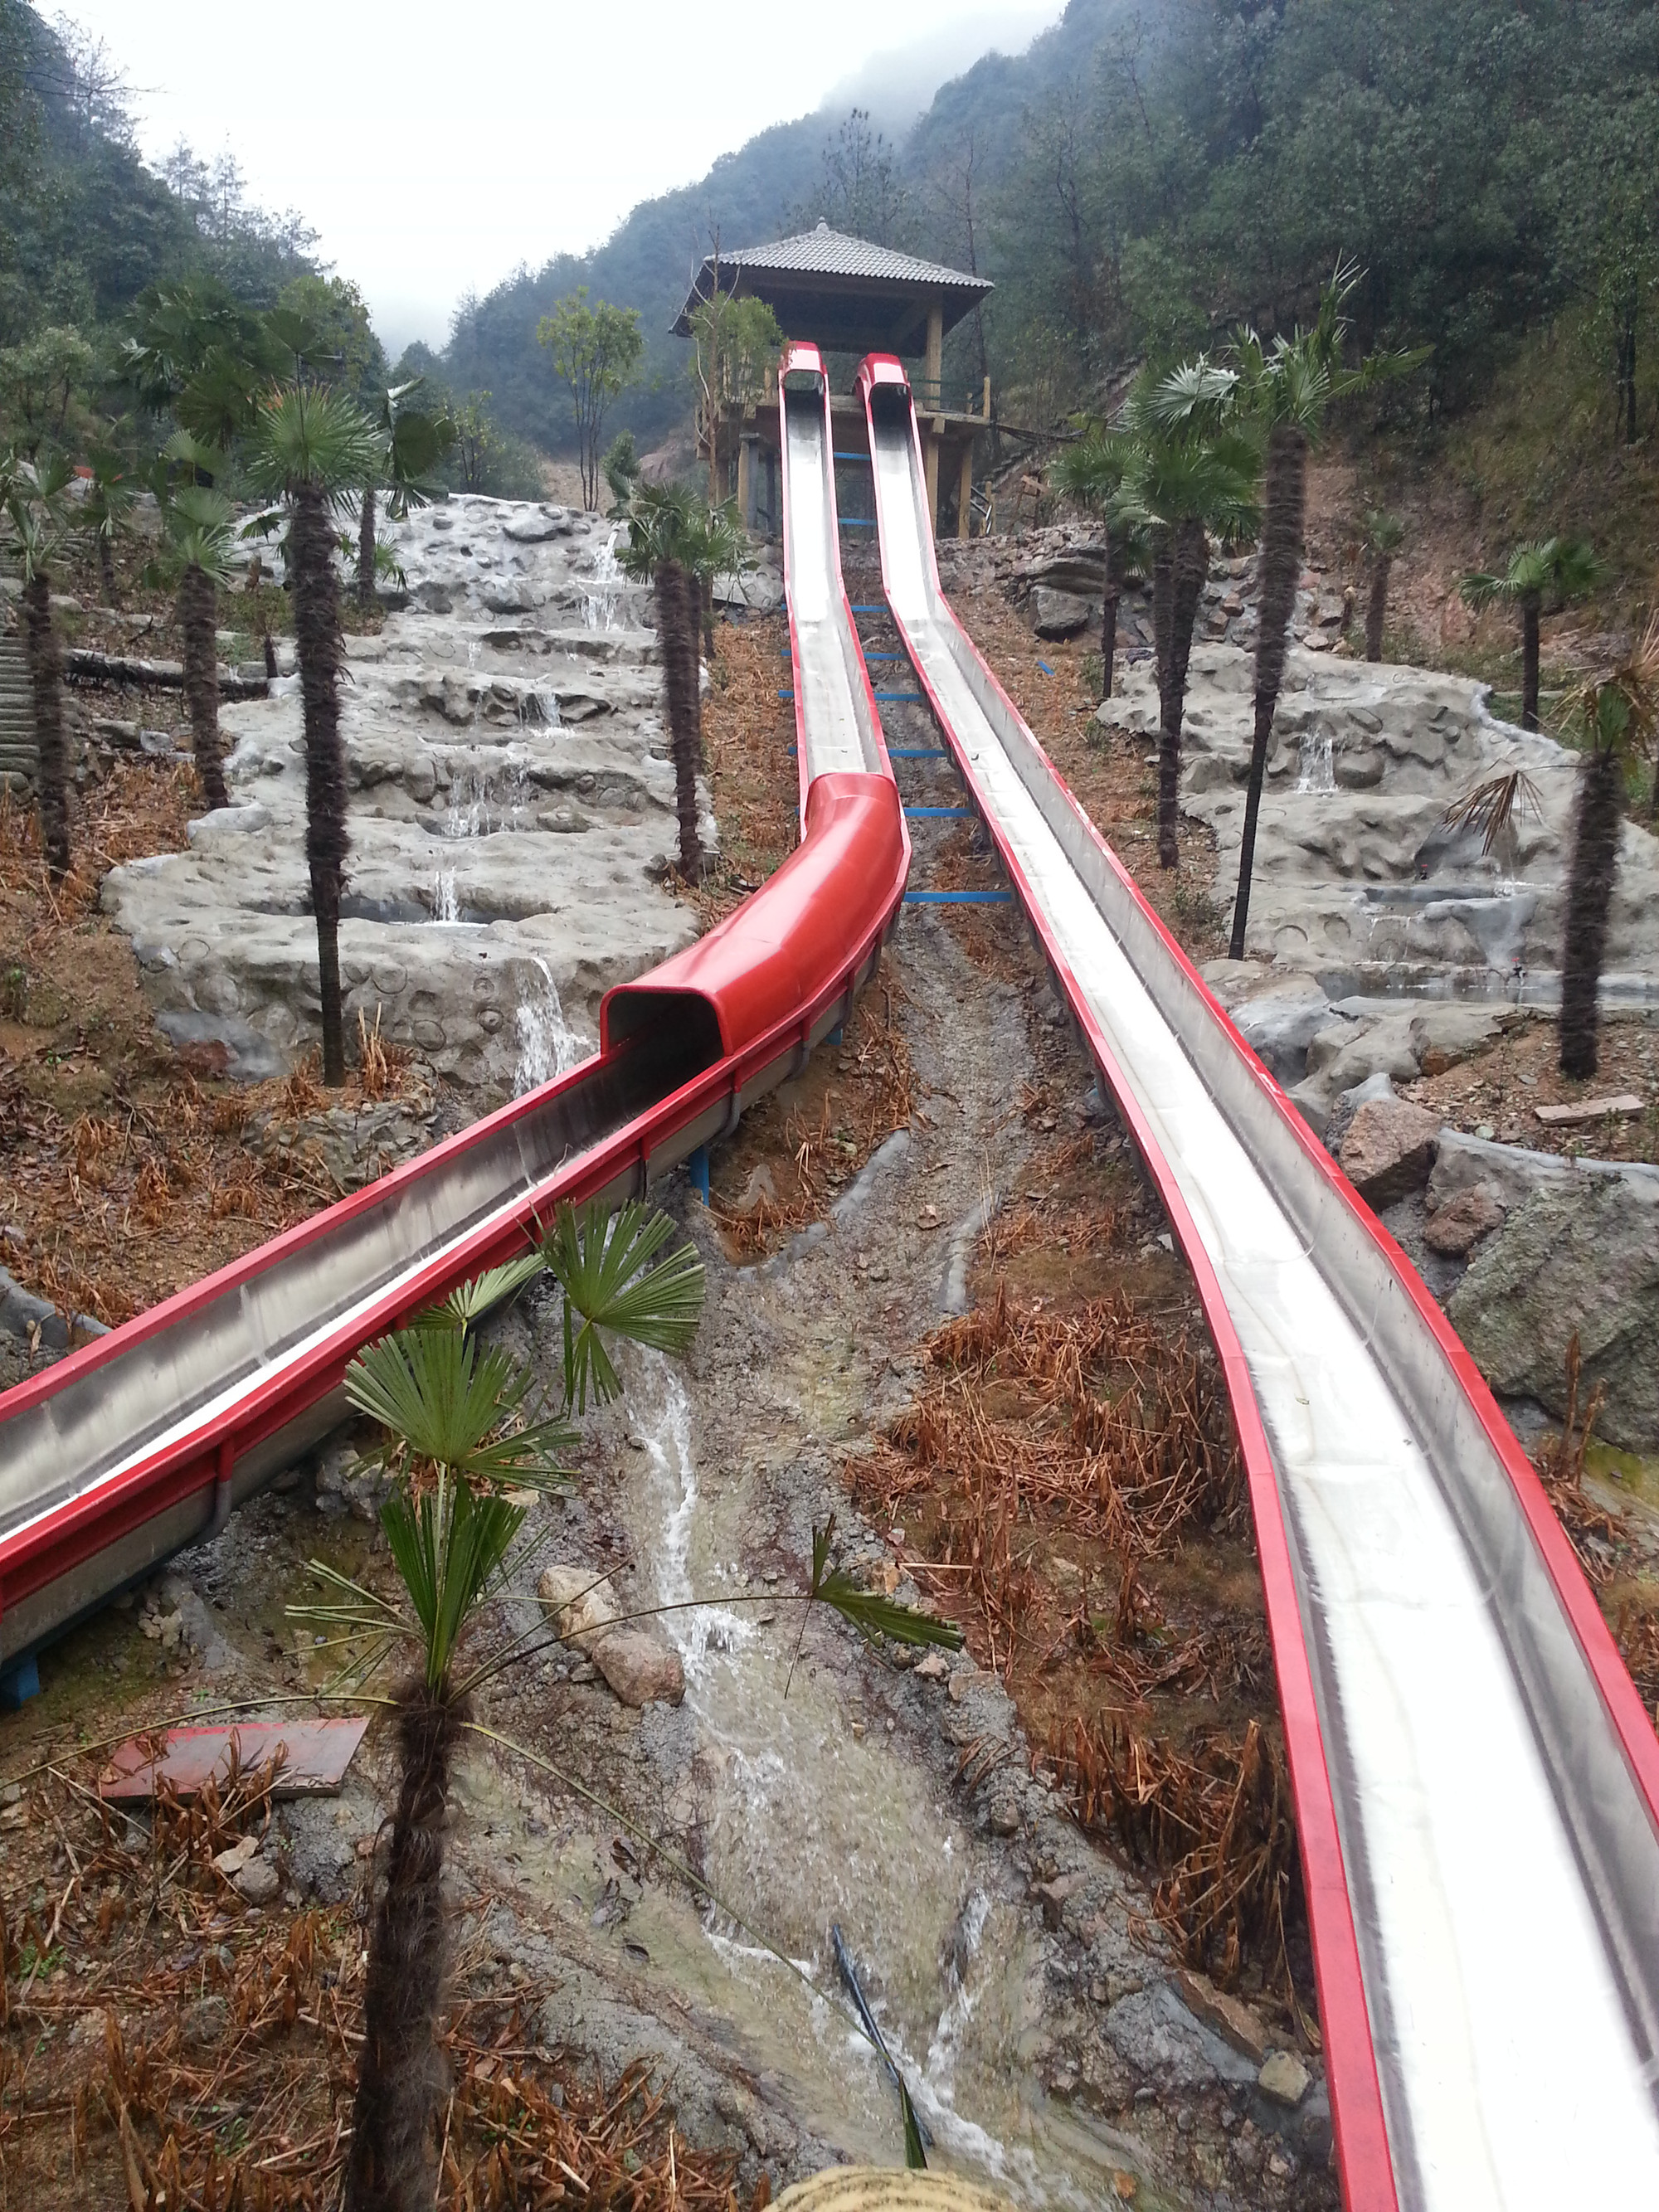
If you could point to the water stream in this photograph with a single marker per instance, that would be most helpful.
(815, 1813)
(547, 1046)
(601, 590)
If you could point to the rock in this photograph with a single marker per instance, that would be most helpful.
(257, 1880)
(1464, 1220)
(1155, 2032)
(1579, 1254)
(206, 2023)
(638, 1664)
(1003, 1819)
(1388, 1149)
(1512, 1172)
(1053, 1896)
(1228, 2015)
(1281, 1023)
(1283, 2078)
(1060, 614)
(228, 822)
(354, 1147)
(934, 1669)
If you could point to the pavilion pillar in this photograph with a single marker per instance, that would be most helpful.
(932, 373)
(965, 492)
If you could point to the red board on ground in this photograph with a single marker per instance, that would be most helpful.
(316, 1754)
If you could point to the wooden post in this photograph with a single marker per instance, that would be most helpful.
(745, 481)
(934, 369)
(985, 400)
(965, 492)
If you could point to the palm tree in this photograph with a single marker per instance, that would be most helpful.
(1618, 717)
(313, 448)
(716, 544)
(1092, 473)
(199, 524)
(1542, 576)
(35, 499)
(1189, 470)
(1384, 535)
(1287, 389)
(412, 445)
(106, 510)
(662, 542)
(462, 1436)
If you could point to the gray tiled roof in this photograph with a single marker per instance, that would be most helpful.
(826, 252)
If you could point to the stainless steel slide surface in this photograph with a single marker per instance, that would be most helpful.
(1493, 1784)
(840, 732)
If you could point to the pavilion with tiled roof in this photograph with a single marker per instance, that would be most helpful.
(847, 295)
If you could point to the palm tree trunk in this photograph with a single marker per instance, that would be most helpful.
(1284, 513)
(401, 2075)
(317, 639)
(677, 640)
(1376, 604)
(1589, 895)
(1112, 594)
(198, 611)
(46, 660)
(1192, 566)
(365, 551)
(1529, 611)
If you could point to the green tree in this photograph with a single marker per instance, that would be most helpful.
(1616, 718)
(1539, 578)
(1626, 272)
(595, 352)
(39, 382)
(35, 502)
(413, 445)
(1188, 472)
(733, 343)
(1287, 389)
(1384, 535)
(664, 547)
(313, 449)
(201, 536)
(621, 467)
(1092, 471)
(107, 510)
(345, 350)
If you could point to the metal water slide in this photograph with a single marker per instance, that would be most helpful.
(141, 1442)
(1475, 1779)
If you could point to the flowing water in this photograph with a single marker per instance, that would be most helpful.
(814, 1817)
(601, 590)
(1316, 760)
(547, 1046)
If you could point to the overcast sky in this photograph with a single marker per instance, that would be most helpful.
(434, 147)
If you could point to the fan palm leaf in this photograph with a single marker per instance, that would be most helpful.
(613, 1281)
(445, 1399)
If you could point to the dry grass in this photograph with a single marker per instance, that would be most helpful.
(802, 1145)
(1215, 1825)
(123, 1174)
(114, 2086)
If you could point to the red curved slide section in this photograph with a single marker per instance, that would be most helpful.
(141, 1442)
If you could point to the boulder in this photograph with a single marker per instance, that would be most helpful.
(1580, 1253)
(1464, 1220)
(638, 1664)
(1060, 614)
(1388, 1149)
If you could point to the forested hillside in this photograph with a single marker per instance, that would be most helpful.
(84, 225)
(1146, 176)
